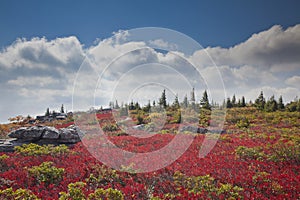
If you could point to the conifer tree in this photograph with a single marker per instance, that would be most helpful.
(243, 103)
(62, 110)
(163, 99)
(260, 101)
(185, 102)
(228, 103)
(204, 101)
(280, 103)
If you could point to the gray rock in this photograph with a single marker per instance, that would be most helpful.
(68, 135)
(42, 135)
(50, 133)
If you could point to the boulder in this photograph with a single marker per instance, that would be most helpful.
(50, 133)
(41, 135)
(193, 129)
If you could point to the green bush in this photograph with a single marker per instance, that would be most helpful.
(37, 150)
(3, 165)
(75, 192)
(9, 194)
(243, 123)
(252, 153)
(46, 173)
(199, 184)
(108, 127)
(106, 194)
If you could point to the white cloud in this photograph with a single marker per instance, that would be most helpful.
(293, 81)
(33, 81)
(159, 43)
(42, 72)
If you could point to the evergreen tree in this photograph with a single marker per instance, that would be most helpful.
(243, 103)
(117, 105)
(228, 103)
(62, 110)
(124, 110)
(239, 103)
(147, 108)
(137, 106)
(260, 101)
(233, 101)
(280, 103)
(153, 103)
(131, 107)
(47, 112)
(204, 101)
(176, 102)
(193, 100)
(271, 105)
(111, 105)
(185, 102)
(163, 99)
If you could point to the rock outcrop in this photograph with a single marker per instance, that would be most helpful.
(41, 135)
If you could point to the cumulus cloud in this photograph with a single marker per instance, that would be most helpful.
(38, 73)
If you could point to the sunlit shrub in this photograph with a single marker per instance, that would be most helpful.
(250, 153)
(46, 173)
(37, 150)
(3, 165)
(10, 194)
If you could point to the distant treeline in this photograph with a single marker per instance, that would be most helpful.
(260, 103)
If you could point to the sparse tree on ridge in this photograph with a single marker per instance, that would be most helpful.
(204, 101)
(243, 102)
(228, 103)
(280, 103)
(185, 102)
(233, 101)
(260, 101)
(176, 102)
(47, 112)
(271, 105)
(163, 99)
(62, 110)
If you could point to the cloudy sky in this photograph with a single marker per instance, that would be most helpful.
(54, 50)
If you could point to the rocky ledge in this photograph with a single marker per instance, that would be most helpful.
(41, 135)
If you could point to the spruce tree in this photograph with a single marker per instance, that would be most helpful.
(228, 103)
(193, 100)
(62, 110)
(163, 99)
(117, 105)
(47, 112)
(260, 101)
(280, 103)
(204, 101)
(271, 105)
(176, 102)
(233, 101)
(243, 103)
(185, 102)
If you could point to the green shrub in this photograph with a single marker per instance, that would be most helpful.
(46, 173)
(106, 194)
(9, 194)
(3, 165)
(206, 183)
(74, 192)
(243, 123)
(108, 127)
(250, 153)
(37, 150)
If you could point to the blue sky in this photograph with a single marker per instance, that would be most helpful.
(211, 23)
(255, 44)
